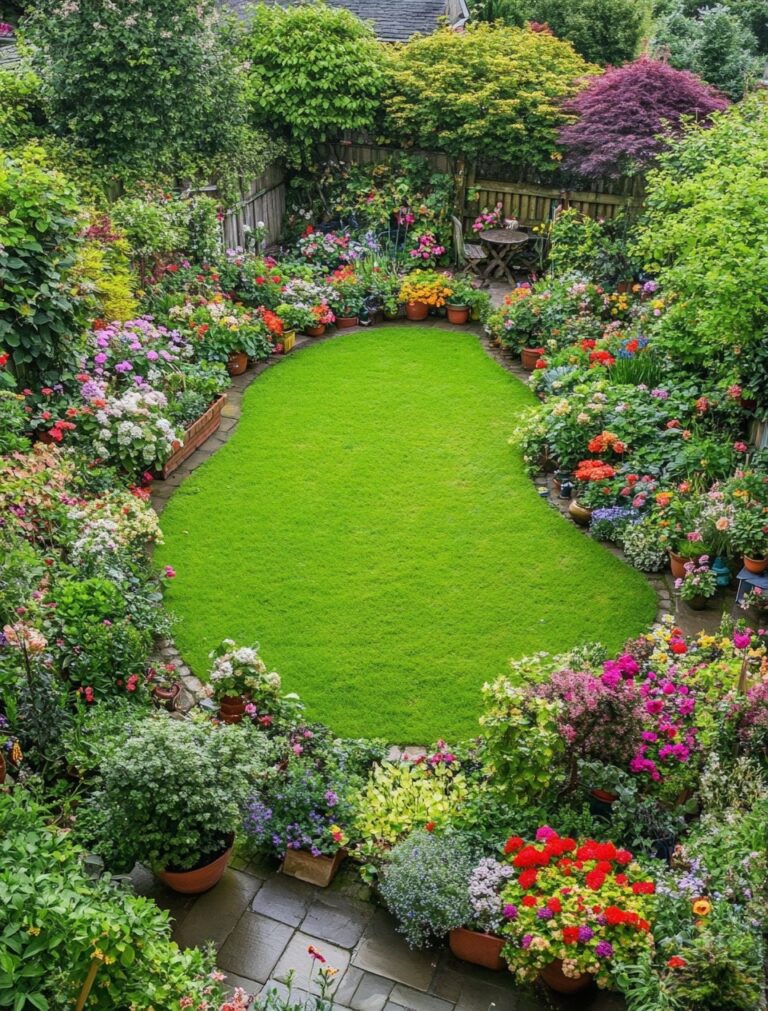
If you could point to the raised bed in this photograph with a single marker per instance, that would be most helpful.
(194, 436)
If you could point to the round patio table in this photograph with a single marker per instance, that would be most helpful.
(501, 244)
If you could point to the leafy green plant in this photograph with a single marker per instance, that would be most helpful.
(487, 91)
(57, 925)
(314, 71)
(425, 885)
(173, 794)
(38, 243)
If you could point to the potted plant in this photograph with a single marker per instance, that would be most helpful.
(422, 290)
(345, 297)
(574, 910)
(699, 584)
(479, 303)
(682, 552)
(749, 536)
(424, 884)
(296, 318)
(530, 354)
(304, 815)
(239, 676)
(313, 297)
(457, 303)
(172, 797)
(478, 941)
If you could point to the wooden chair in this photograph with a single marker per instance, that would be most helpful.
(469, 255)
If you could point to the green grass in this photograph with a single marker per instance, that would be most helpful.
(370, 525)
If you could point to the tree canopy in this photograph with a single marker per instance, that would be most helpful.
(489, 91)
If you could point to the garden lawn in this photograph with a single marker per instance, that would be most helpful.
(370, 525)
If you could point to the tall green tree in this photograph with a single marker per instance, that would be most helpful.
(314, 72)
(145, 88)
(487, 92)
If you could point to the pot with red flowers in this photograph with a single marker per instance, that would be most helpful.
(574, 910)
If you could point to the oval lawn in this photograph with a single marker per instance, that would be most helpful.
(371, 526)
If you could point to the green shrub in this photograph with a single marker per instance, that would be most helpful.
(172, 794)
(314, 71)
(425, 885)
(39, 316)
(486, 92)
(55, 923)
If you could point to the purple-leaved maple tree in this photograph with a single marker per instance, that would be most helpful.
(624, 116)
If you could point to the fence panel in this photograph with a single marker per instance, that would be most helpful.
(533, 204)
(264, 200)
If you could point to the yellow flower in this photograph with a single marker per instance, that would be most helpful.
(701, 907)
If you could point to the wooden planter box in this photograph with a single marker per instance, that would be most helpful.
(194, 436)
(316, 870)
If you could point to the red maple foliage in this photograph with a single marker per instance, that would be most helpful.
(625, 115)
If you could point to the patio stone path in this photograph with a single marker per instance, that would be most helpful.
(261, 923)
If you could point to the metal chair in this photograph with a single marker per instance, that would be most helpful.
(469, 255)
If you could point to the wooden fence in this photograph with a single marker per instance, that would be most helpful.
(263, 201)
(532, 203)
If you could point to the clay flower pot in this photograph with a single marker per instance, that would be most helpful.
(579, 514)
(697, 603)
(231, 708)
(315, 870)
(237, 363)
(416, 310)
(315, 331)
(200, 879)
(458, 314)
(346, 322)
(529, 357)
(604, 796)
(165, 696)
(556, 979)
(677, 565)
(756, 565)
(478, 948)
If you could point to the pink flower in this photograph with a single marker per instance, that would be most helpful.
(741, 639)
(169, 572)
(740, 447)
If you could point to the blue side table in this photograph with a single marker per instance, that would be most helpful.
(749, 579)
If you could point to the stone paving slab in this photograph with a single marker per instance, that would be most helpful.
(284, 899)
(296, 959)
(254, 947)
(372, 993)
(214, 915)
(383, 952)
(338, 919)
(414, 1000)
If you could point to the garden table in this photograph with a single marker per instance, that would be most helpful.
(501, 244)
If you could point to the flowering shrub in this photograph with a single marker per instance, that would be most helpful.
(587, 903)
(699, 580)
(424, 885)
(131, 431)
(486, 883)
(493, 217)
(239, 670)
(427, 249)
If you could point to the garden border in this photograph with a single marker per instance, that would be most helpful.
(193, 690)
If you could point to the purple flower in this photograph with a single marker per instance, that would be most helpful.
(100, 358)
(544, 913)
(586, 934)
(526, 940)
(331, 798)
(510, 911)
(604, 949)
(123, 367)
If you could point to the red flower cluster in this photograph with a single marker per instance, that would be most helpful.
(594, 470)
(605, 441)
(600, 357)
(271, 321)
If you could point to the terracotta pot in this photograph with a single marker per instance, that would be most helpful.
(416, 310)
(315, 870)
(166, 697)
(201, 879)
(605, 796)
(231, 708)
(556, 979)
(477, 948)
(677, 565)
(579, 514)
(346, 322)
(756, 565)
(529, 357)
(458, 314)
(315, 331)
(237, 363)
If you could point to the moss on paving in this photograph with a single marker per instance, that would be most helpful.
(371, 526)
